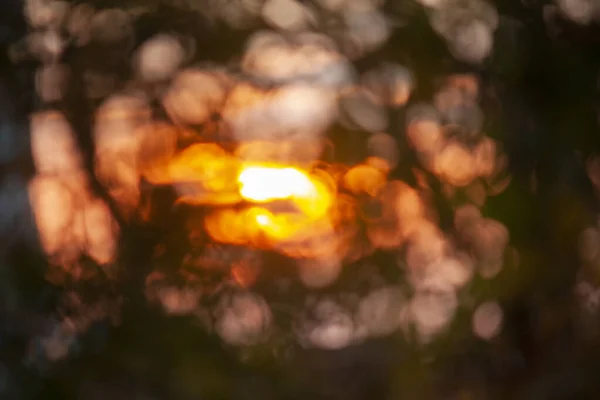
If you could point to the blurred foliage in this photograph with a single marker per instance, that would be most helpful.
(539, 96)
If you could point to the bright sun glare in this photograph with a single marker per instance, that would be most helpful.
(262, 184)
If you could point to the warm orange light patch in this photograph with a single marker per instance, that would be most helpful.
(309, 198)
(365, 179)
(206, 163)
(268, 183)
(295, 208)
(207, 174)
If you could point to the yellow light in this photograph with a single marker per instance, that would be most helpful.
(218, 177)
(262, 219)
(263, 184)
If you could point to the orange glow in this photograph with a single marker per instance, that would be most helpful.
(308, 200)
(204, 174)
(292, 207)
(207, 174)
(365, 179)
(267, 183)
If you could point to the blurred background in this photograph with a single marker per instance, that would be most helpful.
(299, 199)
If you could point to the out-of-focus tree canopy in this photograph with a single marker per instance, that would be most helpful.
(299, 199)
